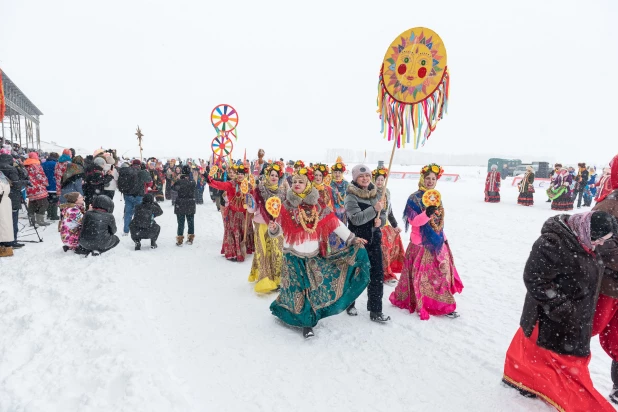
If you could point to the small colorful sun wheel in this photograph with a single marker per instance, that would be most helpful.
(273, 206)
(432, 198)
(224, 118)
(222, 146)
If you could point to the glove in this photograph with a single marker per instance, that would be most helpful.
(430, 210)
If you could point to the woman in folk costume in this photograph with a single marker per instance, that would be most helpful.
(240, 234)
(392, 246)
(559, 190)
(321, 182)
(492, 185)
(429, 278)
(339, 188)
(526, 188)
(314, 286)
(550, 353)
(230, 175)
(268, 258)
(604, 186)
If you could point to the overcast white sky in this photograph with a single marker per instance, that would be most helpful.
(533, 76)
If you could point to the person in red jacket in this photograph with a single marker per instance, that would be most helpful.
(36, 191)
(237, 214)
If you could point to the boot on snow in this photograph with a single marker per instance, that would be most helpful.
(308, 333)
(153, 244)
(6, 251)
(179, 240)
(452, 315)
(613, 395)
(190, 239)
(138, 245)
(521, 391)
(40, 220)
(351, 310)
(379, 317)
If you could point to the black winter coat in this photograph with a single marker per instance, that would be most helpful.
(17, 177)
(145, 214)
(185, 203)
(99, 226)
(95, 181)
(582, 181)
(139, 178)
(563, 282)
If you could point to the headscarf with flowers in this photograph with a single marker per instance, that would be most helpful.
(338, 167)
(322, 168)
(430, 168)
(275, 167)
(380, 171)
(306, 174)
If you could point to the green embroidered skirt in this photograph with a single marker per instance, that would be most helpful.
(313, 288)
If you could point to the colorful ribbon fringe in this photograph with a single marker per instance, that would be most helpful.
(412, 122)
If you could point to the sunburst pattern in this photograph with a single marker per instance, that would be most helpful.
(429, 45)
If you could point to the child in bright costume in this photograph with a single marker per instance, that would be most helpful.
(429, 278)
(392, 246)
(71, 216)
(237, 213)
(268, 258)
(314, 286)
(339, 188)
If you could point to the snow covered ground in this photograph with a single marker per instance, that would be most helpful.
(180, 329)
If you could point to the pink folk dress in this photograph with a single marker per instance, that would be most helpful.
(429, 278)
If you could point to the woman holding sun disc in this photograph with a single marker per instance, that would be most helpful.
(268, 258)
(429, 278)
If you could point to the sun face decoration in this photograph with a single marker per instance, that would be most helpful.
(213, 171)
(244, 187)
(414, 65)
(273, 206)
(432, 198)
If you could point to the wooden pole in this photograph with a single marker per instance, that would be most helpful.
(390, 164)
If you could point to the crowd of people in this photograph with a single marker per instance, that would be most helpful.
(330, 239)
(566, 186)
(319, 241)
(78, 193)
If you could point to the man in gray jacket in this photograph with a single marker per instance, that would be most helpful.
(366, 215)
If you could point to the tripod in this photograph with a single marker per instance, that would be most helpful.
(27, 232)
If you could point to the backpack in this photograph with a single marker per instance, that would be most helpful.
(127, 180)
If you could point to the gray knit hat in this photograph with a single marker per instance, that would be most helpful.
(360, 170)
